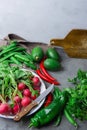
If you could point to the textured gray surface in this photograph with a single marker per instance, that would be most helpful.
(69, 70)
(41, 20)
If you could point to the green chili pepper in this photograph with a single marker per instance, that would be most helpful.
(59, 118)
(57, 93)
(69, 117)
(47, 114)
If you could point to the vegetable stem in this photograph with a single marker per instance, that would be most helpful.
(2, 99)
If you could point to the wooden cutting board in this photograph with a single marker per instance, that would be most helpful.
(74, 44)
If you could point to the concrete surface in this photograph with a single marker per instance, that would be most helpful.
(41, 20)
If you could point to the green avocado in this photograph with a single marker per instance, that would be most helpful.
(52, 53)
(52, 64)
(37, 54)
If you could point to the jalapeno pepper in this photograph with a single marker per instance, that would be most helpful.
(47, 114)
(58, 121)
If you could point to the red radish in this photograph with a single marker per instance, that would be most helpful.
(26, 92)
(4, 108)
(16, 109)
(11, 111)
(21, 86)
(37, 88)
(17, 99)
(25, 101)
(33, 97)
(36, 81)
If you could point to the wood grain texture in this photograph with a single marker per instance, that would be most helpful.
(74, 44)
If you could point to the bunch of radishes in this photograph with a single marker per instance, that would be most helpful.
(27, 97)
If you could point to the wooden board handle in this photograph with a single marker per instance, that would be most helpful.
(74, 44)
(24, 111)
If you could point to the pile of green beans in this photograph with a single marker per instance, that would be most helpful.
(13, 53)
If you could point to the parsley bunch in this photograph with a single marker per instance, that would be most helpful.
(77, 103)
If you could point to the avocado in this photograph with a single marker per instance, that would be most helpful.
(52, 53)
(37, 54)
(52, 64)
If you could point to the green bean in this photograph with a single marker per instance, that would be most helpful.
(8, 48)
(6, 52)
(31, 65)
(12, 44)
(11, 48)
(19, 49)
(7, 56)
(21, 57)
(69, 117)
(14, 60)
(6, 62)
(28, 56)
